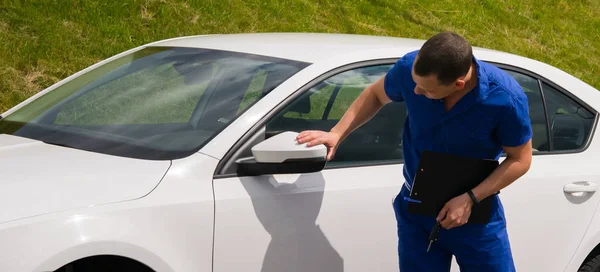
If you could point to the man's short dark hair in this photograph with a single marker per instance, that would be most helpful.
(447, 55)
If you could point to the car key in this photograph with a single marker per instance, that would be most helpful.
(433, 236)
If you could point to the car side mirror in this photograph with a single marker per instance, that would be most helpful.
(281, 154)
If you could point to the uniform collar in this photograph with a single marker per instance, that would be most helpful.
(478, 94)
(482, 88)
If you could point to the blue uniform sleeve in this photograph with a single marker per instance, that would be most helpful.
(396, 78)
(514, 128)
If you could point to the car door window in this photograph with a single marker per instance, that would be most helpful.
(570, 122)
(559, 123)
(321, 107)
(537, 114)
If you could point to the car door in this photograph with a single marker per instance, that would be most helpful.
(339, 219)
(548, 209)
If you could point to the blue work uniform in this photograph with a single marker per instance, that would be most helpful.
(492, 115)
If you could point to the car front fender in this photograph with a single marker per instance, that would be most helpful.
(158, 237)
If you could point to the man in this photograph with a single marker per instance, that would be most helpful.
(459, 105)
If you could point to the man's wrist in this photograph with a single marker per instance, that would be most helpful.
(473, 198)
(336, 133)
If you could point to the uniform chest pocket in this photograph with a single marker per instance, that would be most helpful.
(472, 132)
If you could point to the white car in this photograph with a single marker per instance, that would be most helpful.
(179, 155)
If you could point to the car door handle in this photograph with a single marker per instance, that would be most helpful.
(580, 187)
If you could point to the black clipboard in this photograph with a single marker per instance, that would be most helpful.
(441, 177)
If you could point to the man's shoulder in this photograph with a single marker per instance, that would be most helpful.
(412, 55)
(405, 62)
(409, 58)
(398, 79)
(501, 85)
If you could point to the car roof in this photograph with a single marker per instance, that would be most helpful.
(305, 47)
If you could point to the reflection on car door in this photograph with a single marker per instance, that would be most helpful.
(334, 220)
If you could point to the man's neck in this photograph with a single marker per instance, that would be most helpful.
(470, 84)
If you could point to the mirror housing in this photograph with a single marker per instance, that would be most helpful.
(281, 154)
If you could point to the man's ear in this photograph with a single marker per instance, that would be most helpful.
(459, 84)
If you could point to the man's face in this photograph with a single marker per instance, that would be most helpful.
(430, 87)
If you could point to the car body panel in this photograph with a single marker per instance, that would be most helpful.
(542, 218)
(169, 230)
(334, 220)
(39, 178)
(589, 242)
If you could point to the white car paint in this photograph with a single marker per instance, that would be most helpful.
(341, 219)
(335, 220)
(169, 230)
(38, 178)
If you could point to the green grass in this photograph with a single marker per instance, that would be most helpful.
(42, 42)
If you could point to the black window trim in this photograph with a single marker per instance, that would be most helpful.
(250, 134)
(334, 94)
(541, 79)
(547, 118)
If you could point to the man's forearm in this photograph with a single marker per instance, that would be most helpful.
(507, 172)
(361, 111)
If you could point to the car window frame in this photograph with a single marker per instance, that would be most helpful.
(541, 79)
(325, 116)
(253, 135)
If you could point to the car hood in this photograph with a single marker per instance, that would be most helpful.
(38, 178)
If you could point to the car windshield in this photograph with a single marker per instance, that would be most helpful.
(158, 103)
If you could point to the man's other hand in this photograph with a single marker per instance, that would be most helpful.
(315, 137)
(456, 212)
